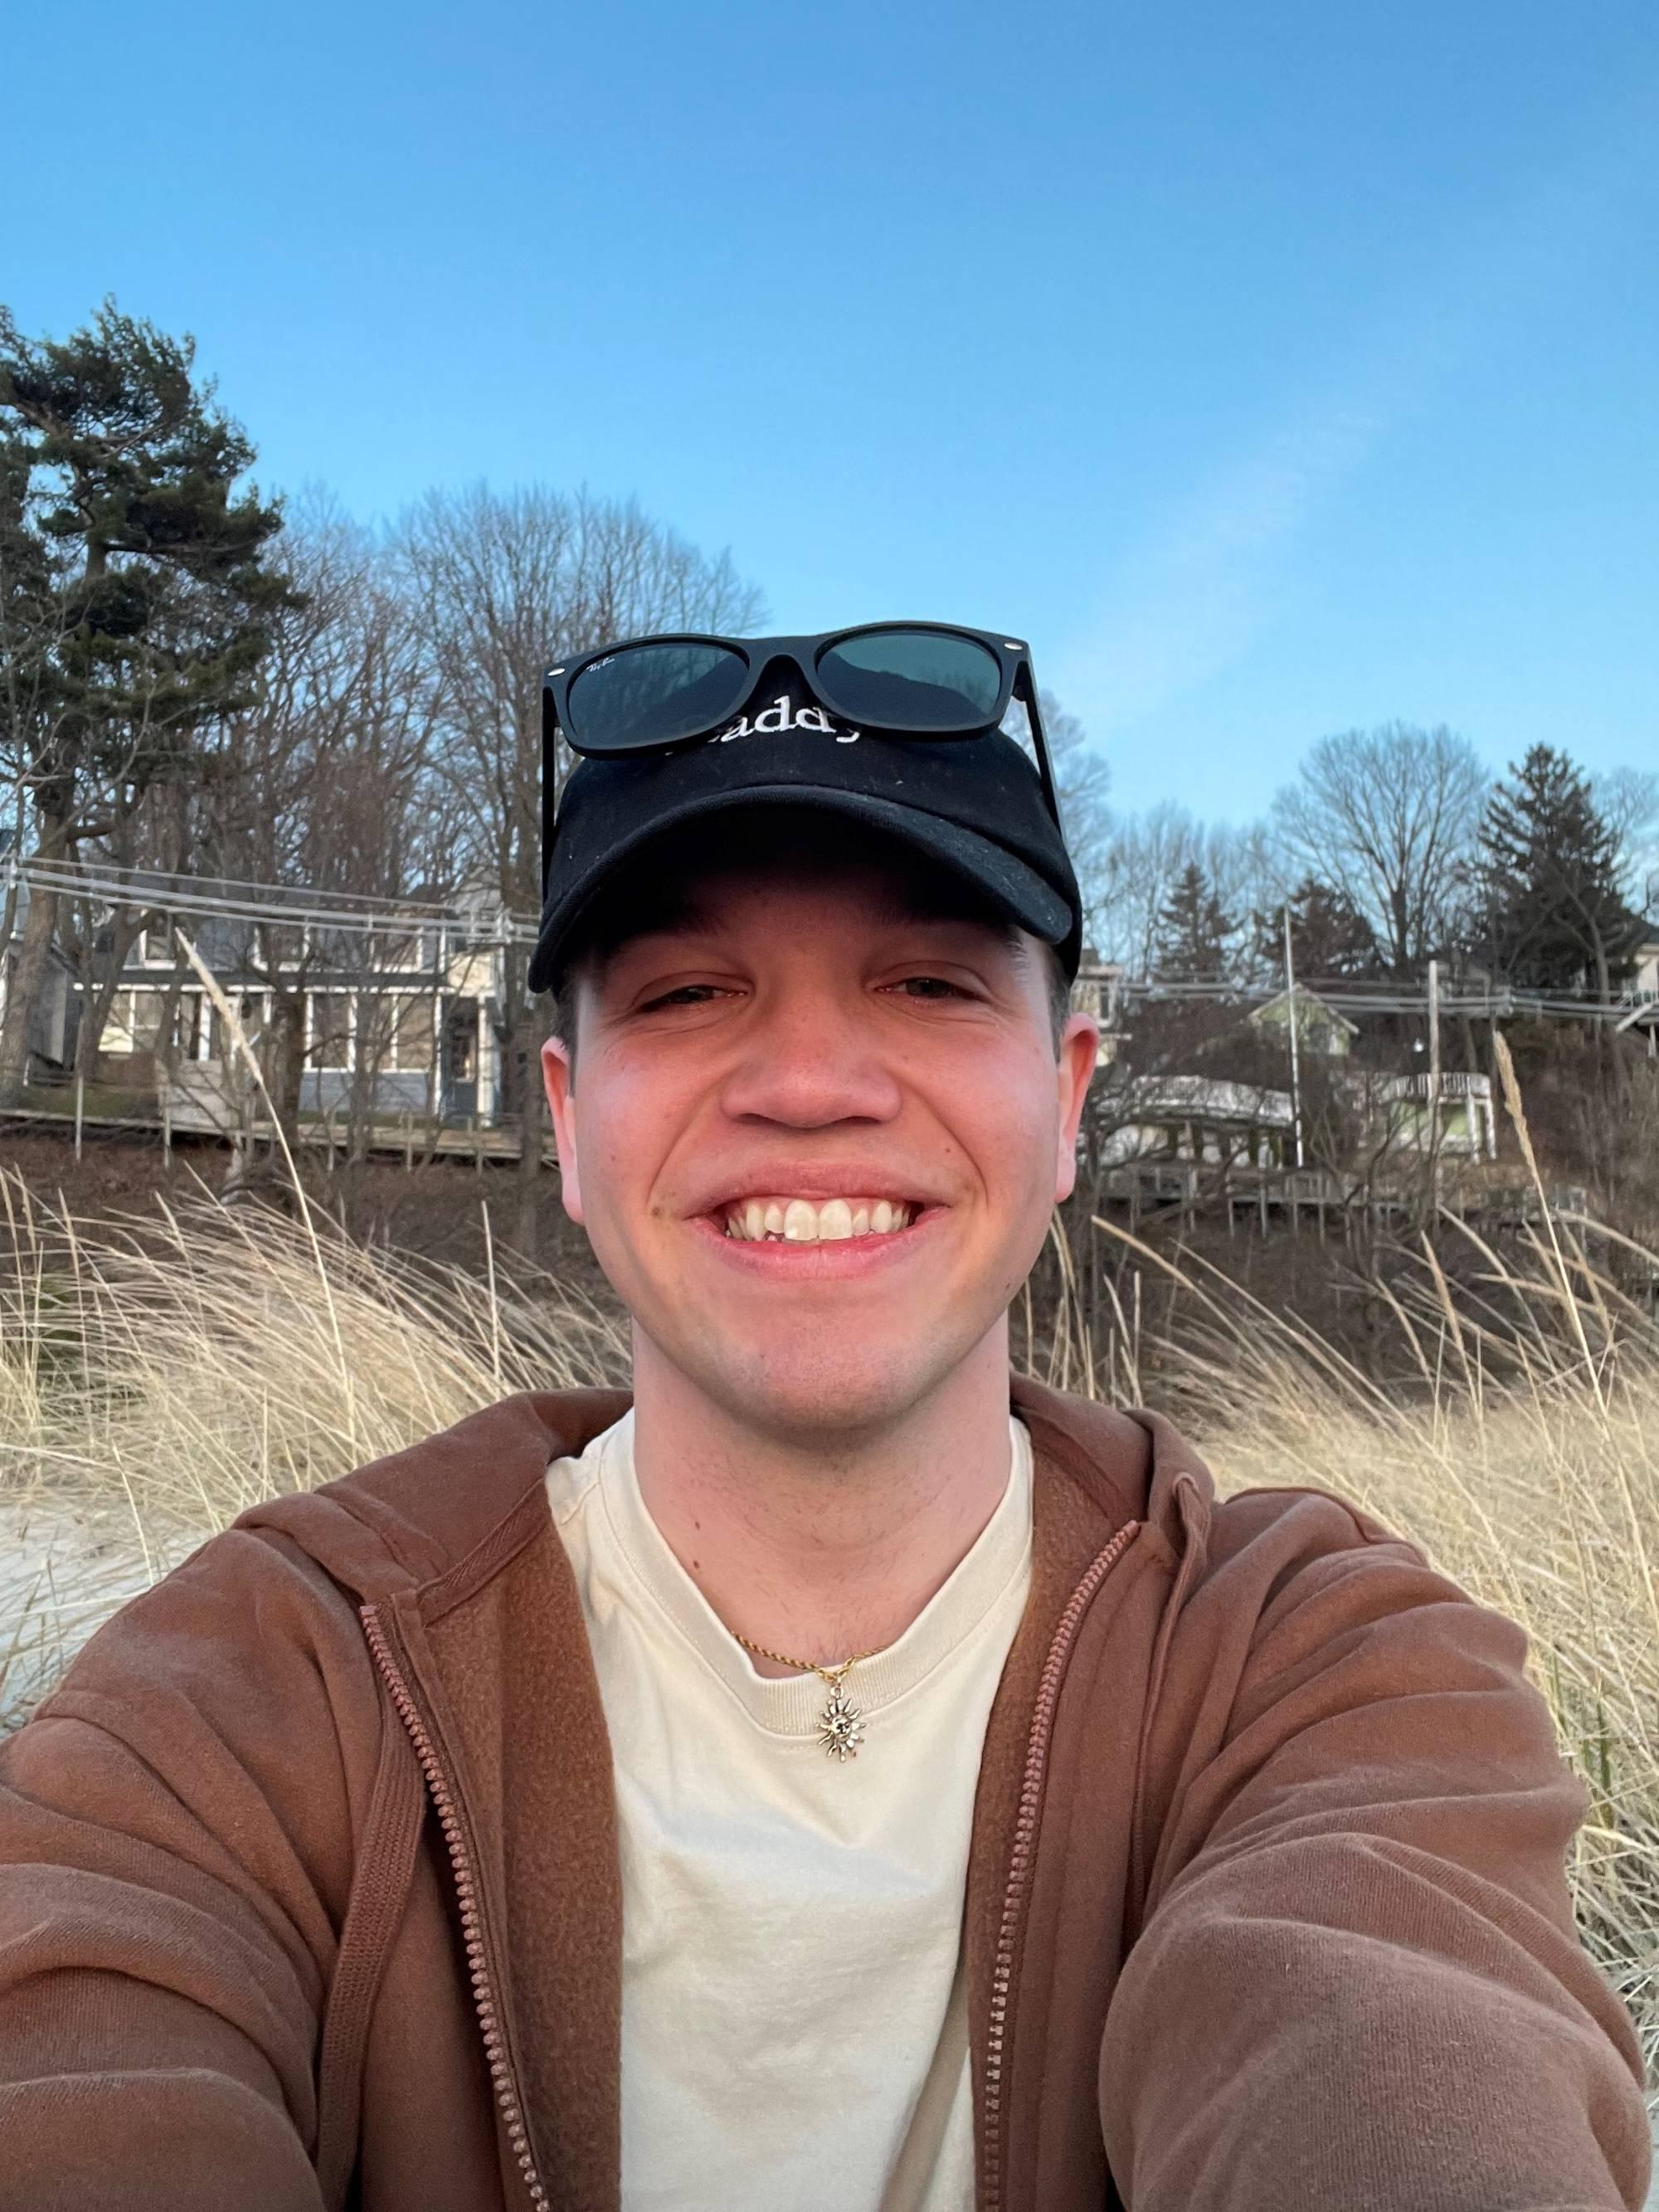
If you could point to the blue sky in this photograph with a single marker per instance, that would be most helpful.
(1273, 367)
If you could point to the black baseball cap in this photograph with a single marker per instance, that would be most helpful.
(974, 806)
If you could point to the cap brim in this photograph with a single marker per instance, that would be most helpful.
(1013, 891)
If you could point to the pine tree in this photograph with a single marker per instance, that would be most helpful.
(1193, 944)
(1330, 937)
(136, 597)
(1552, 915)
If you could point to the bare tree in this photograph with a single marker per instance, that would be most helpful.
(1388, 817)
(1627, 799)
(1082, 778)
(327, 784)
(1144, 855)
(503, 584)
(1246, 865)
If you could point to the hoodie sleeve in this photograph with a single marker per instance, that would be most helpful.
(171, 1890)
(1357, 1981)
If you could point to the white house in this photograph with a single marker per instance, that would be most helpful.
(1641, 994)
(405, 1018)
(1194, 1117)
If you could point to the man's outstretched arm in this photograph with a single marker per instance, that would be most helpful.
(1359, 1984)
(164, 1940)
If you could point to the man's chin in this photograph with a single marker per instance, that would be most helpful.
(818, 1396)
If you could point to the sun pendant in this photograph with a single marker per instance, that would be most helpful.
(839, 1729)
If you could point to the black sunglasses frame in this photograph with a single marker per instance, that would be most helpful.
(1013, 660)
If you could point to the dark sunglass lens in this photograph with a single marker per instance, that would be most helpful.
(644, 695)
(913, 679)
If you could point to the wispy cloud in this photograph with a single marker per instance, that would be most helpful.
(1192, 596)
(1187, 602)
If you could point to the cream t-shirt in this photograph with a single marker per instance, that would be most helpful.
(795, 2017)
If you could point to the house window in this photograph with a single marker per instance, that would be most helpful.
(415, 1036)
(118, 1031)
(375, 1029)
(331, 1030)
(149, 1008)
(461, 1043)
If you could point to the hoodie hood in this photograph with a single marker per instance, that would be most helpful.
(405, 1522)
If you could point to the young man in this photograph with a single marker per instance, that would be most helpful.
(840, 1781)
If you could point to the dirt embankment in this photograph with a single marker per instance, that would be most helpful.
(437, 1211)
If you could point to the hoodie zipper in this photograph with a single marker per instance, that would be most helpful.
(1022, 1857)
(502, 2078)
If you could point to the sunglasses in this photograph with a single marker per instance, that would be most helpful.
(921, 680)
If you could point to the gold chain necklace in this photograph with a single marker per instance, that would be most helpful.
(840, 1729)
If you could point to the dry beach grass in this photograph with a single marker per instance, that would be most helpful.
(159, 1376)
(1524, 1461)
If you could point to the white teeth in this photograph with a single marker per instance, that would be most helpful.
(799, 1221)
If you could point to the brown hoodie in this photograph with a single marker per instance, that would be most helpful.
(309, 1895)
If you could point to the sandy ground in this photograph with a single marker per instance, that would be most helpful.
(64, 1570)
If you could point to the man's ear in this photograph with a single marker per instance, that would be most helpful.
(557, 1075)
(1079, 1046)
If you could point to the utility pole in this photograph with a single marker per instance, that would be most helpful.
(1296, 1061)
(1434, 1086)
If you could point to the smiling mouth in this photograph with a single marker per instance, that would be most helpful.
(805, 1221)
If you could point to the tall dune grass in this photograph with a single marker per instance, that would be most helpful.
(1521, 1452)
(157, 1376)
(160, 1375)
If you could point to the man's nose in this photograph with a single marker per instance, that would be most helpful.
(809, 1061)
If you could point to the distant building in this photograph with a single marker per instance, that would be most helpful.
(1468, 1123)
(1319, 1027)
(1097, 991)
(1193, 1117)
(406, 1017)
(1641, 994)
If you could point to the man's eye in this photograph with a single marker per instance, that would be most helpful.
(931, 987)
(684, 994)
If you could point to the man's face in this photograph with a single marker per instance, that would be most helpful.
(814, 1049)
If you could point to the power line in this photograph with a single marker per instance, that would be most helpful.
(298, 907)
(1498, 1002)
(362, 914)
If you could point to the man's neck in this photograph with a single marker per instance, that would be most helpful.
(819, 1549)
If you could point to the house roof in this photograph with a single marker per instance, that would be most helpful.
(1198, 1098)
(1305, 997)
